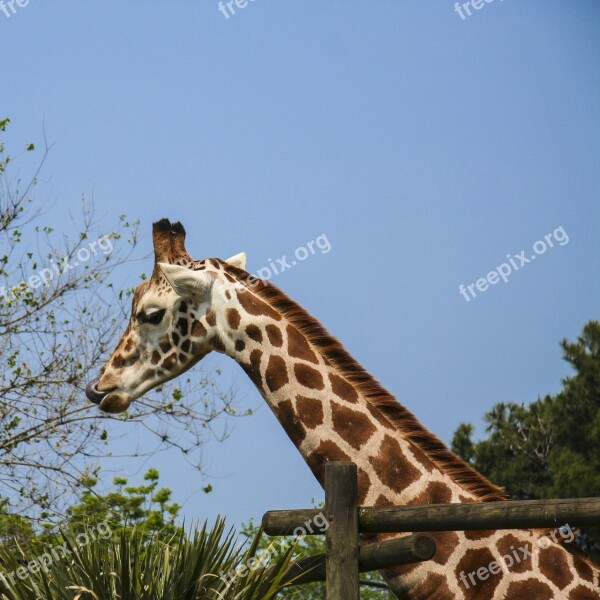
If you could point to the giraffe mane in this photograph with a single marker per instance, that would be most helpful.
(399, 416)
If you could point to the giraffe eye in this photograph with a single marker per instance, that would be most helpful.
(154, 318)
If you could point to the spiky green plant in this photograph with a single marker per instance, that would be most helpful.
(133, 567)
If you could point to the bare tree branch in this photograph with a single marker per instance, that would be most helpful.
(59, 318)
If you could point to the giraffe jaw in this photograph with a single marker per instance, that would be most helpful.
(114, 403)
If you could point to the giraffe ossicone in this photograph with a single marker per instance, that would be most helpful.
(331, 409)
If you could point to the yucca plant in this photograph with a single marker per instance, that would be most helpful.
(204, 565)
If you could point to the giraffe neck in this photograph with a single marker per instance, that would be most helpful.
(332, 409)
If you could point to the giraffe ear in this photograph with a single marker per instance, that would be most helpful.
(239, 260)
(187, 283)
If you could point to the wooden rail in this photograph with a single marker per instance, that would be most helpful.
(371, 557)
(509, 514)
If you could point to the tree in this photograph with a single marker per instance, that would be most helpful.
(59, 319)
(145, 507)
(126, 544)
(549, 448)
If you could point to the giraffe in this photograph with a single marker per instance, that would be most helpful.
(331, 409)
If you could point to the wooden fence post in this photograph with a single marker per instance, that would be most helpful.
(341, 505)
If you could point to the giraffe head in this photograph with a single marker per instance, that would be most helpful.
(172, 323)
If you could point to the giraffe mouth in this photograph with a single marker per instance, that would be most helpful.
(109, 401)
(94, 394)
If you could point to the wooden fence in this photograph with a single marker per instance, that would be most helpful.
(346, 557)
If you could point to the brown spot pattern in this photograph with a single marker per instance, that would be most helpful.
(276, 375)
(342, 388)
(239, 345)
(255, 306)
(155, 357)
(583, 569)
(274, 335)
(364, 485)
(478, 535)
(325, 451)
(581, 593)
(445, 544)
(392, 467)
(233, 318)
(421, 458)
(182, 325)
(255, 357)
(254, 333)
(382, 501)
(308, 377)
(433, 586)
(352, 426)
(381, 419)
(287, 417)
(530, 588)
(298, 346)
(553, 564)
(118, 361)
(435, 493)
(474, 587)
(310, 410)
(253, 369)
(198, 330)
(170, 362)
(509, 545)
(165, 344)
(148, 374)
(211, 318)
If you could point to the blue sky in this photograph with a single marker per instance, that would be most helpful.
(425, 147)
